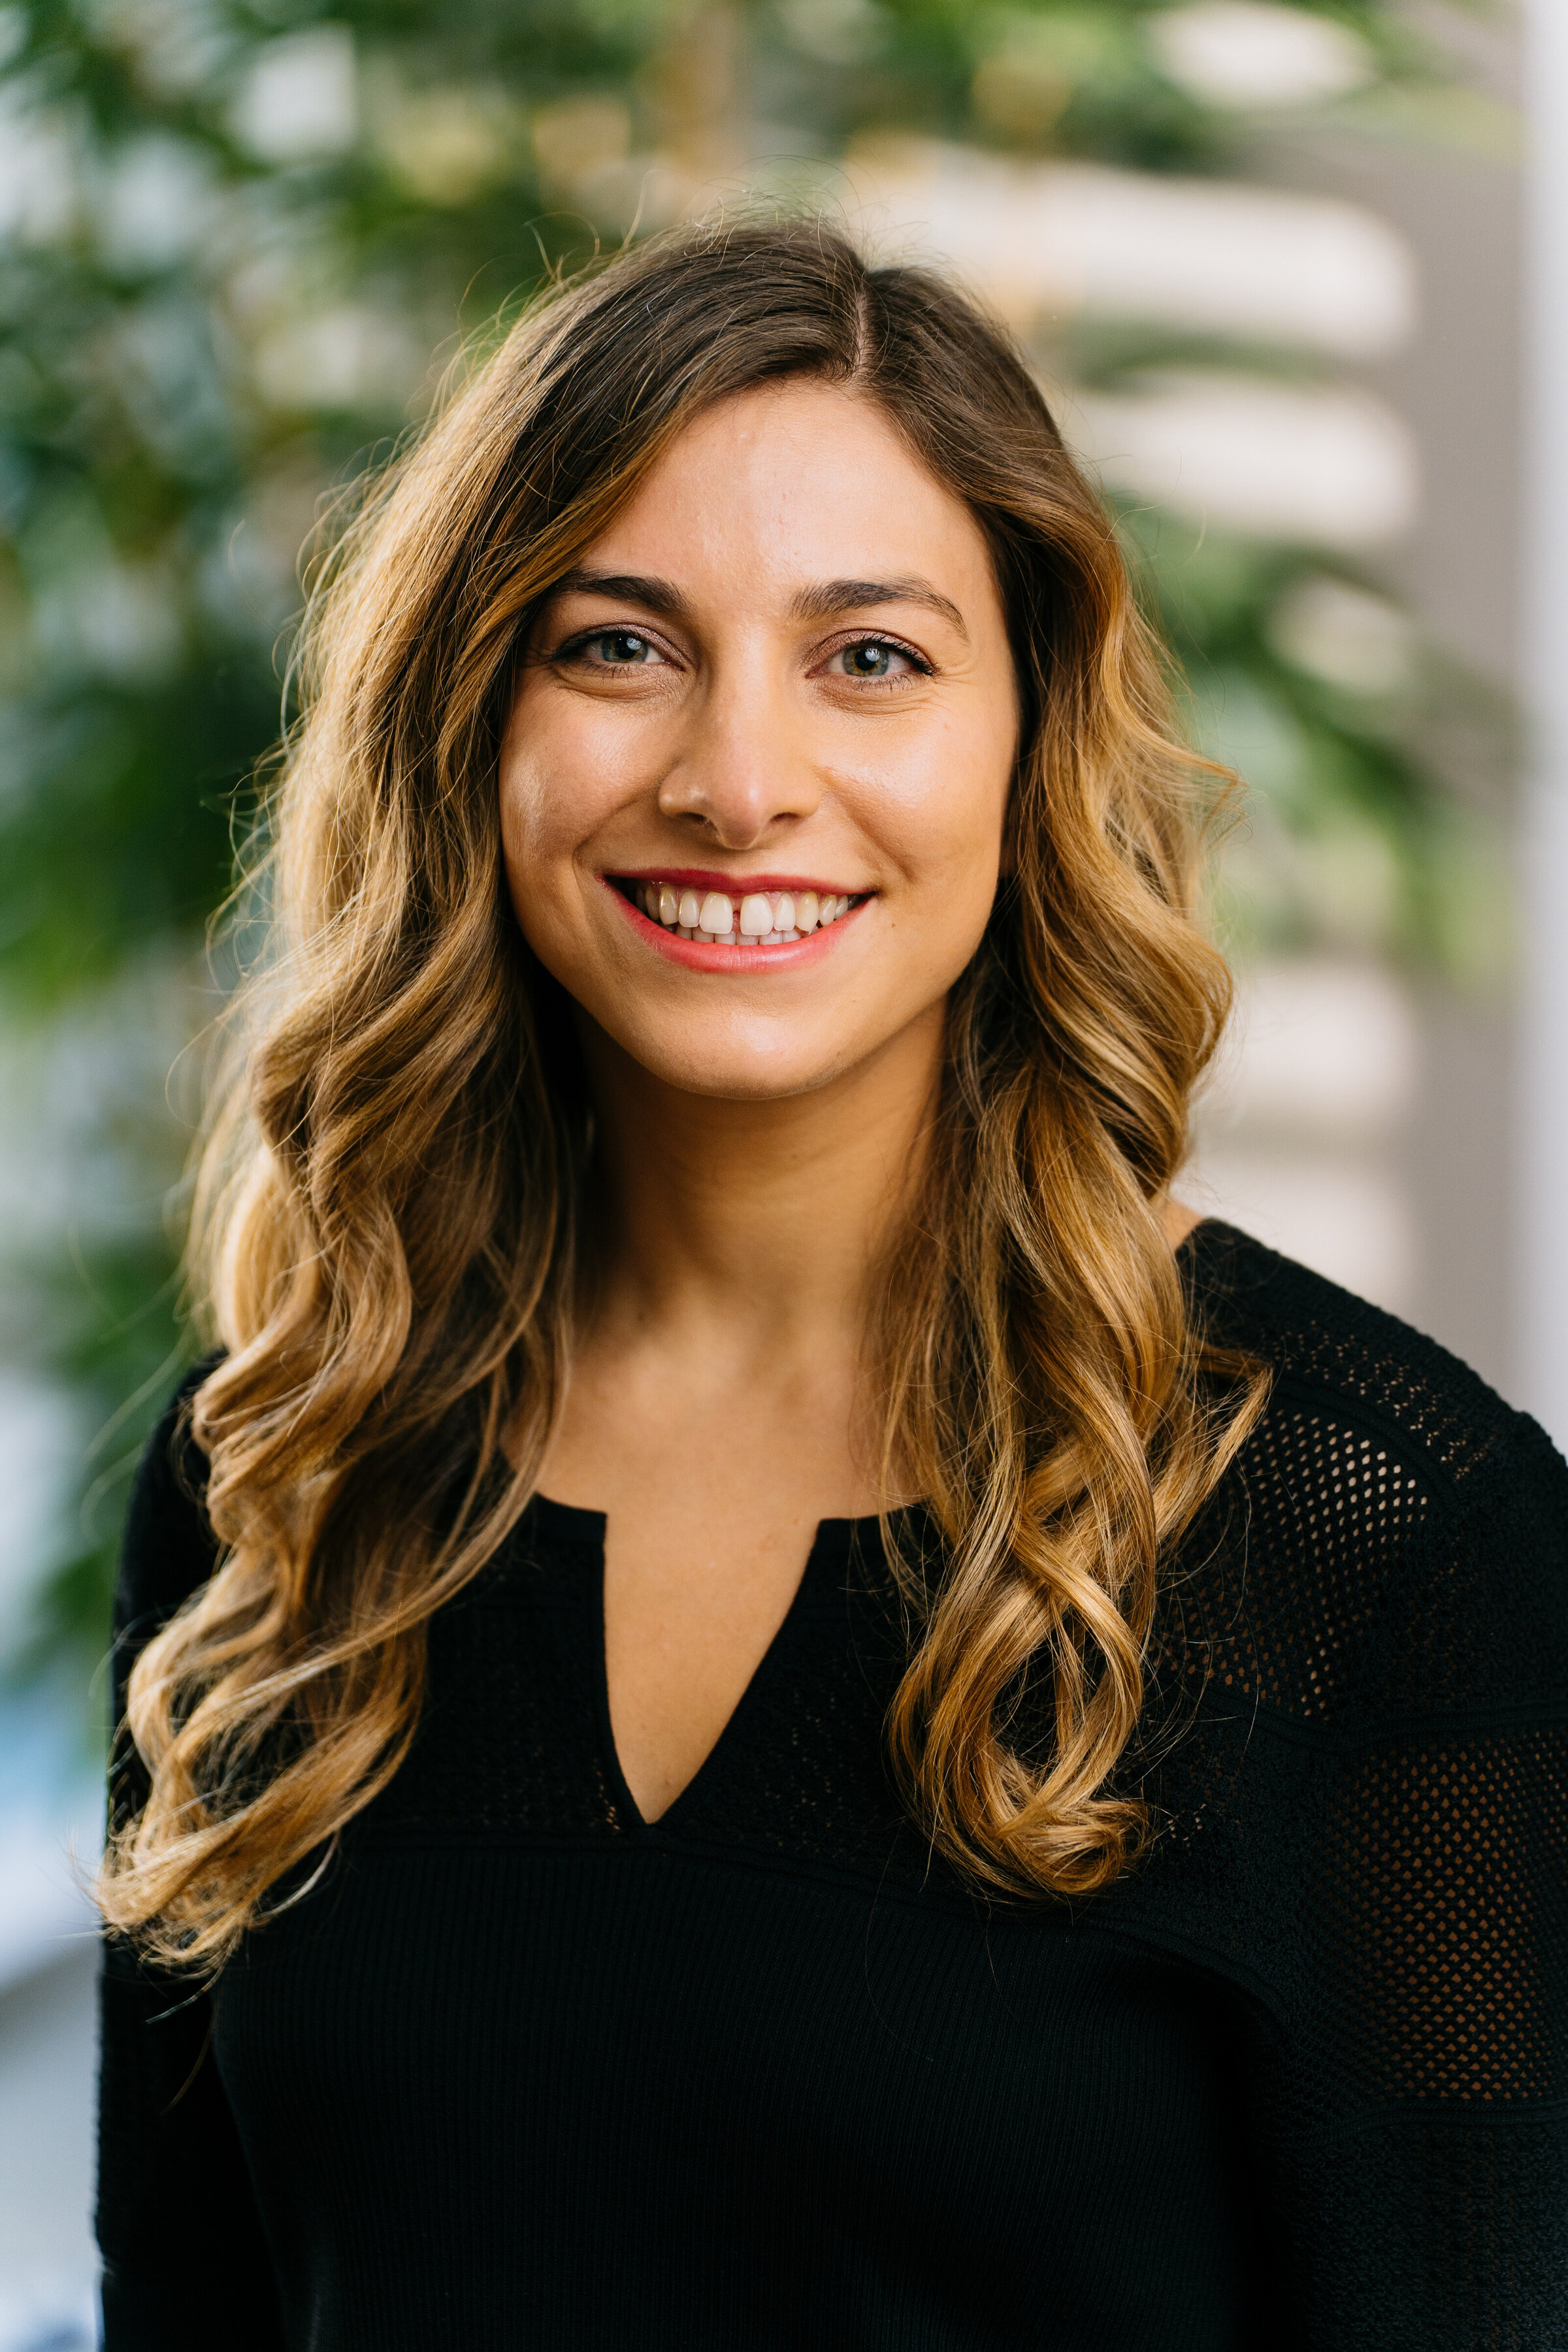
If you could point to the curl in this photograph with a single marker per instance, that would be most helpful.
(388, 1209)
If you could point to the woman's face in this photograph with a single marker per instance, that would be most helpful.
(755, 780)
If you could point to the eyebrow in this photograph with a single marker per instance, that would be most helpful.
(824, 602)
(836, 596)
(635, 587)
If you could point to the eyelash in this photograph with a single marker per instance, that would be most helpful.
(586, 638)
(893, 644)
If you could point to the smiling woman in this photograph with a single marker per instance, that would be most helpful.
(726, 674)
(757, 691)
(764, 1704)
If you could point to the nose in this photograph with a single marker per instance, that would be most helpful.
(742, 770)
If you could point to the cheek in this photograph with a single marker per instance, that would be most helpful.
(946, 814)
(529, 813)
(552, 783)
(956, 833)
(541, 830)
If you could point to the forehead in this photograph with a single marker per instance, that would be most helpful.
(795, 482)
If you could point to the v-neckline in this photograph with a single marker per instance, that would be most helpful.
(584, 1530)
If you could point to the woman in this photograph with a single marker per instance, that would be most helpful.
(770, 1706)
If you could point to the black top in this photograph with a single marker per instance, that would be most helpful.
(522, 2071)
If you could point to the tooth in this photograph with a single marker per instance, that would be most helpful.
(650, 900)
(718, 914)
(686, 931)
(784, 911)
(689, 911)
(807, 911)
(757, 915)
(669, 905)
(784, 938)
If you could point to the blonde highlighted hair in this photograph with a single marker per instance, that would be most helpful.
(388, 1213)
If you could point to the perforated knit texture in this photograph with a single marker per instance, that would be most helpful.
(1356, 1750)
(1330, 1498)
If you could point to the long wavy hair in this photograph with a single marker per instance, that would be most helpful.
(388, 1216)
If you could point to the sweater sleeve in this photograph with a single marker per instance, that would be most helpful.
(185, 2263)
(1431, 2149)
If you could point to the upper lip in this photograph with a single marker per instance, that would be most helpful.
(733, 886)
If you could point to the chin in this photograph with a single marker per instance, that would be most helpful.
(729, 1071)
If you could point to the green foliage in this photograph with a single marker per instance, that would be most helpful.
(241, 229)
(1320, 693)
(114, 1340)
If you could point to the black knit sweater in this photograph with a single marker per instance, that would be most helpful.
(522, 2071)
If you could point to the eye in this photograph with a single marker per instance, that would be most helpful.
(875, 660)
(613, 649)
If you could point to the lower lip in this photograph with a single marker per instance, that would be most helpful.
(703, 955)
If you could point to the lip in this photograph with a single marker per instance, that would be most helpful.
(733, 886)
(703, 955)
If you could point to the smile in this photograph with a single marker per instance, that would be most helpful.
(685, 909)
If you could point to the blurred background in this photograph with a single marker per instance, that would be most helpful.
(1300, 298)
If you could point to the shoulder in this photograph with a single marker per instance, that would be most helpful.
(1405, 1531)
(168, 1547)
(1321, 1342)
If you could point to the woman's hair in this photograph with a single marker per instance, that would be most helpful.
(389, 1206)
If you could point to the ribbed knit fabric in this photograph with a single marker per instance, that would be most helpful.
(524, 2071)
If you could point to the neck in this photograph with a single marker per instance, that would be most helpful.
(755, 1221)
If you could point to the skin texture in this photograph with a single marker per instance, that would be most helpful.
(811, 682)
